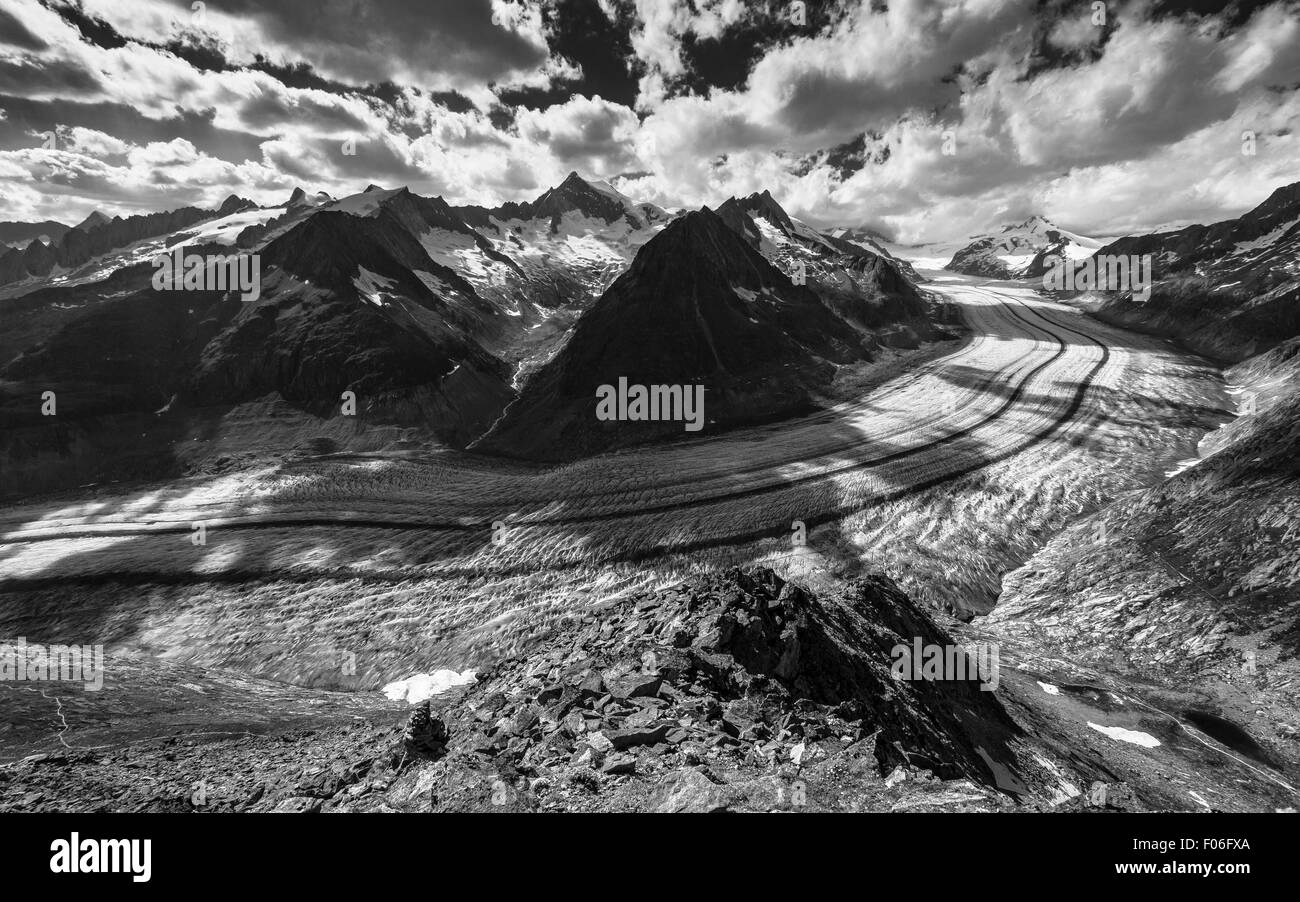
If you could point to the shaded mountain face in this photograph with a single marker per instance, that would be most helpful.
(385, 293)
(861, 282)
(698, 306)
(349, 301)
(436, 316)
(1023, 250)
(1228, 290)
(20, 234)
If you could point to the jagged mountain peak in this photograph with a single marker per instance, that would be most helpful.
(1284, 200)
(573, 185)
(593, 199)
(574, 180)
(235, 204)
(764, 205)
(703, 238)
(300, 198)
(1035, 223)
(698, 306)
(93, 221)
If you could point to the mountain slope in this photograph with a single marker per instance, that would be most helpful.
(349, 301)
(697, 306)
(15, 234)
(567, 246)
(1227, 290)
(864, 284)
(545, 261)
(1020, 250)
(97, 235)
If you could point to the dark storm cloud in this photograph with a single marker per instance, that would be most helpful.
(381, 40)
(452, 101)
(205, 53)
(1232, 13)
(849, 157)
(1046, 51)
(363, 161)
(45, 76)
(268, 110)
(301, 75)
(581, 33)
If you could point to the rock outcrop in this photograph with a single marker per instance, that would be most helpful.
(740, 671)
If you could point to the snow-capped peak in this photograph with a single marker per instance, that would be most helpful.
(1020, 249)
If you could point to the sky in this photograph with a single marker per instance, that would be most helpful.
(929, 120)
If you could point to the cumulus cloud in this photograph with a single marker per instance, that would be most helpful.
(1162, 94)
(956, 113)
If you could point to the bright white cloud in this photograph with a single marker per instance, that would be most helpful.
(1131, 128)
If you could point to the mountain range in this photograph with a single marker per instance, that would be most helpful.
(493, 327)
(437, 317)
(93, 237)
(1227, 290)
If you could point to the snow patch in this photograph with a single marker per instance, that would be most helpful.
(227, 228)
(421, 687)
(364, 204)
(1146, 740)
(371, 285)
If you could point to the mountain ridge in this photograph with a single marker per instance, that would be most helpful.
(1020, 250)
(698, 305)
(1229, 290)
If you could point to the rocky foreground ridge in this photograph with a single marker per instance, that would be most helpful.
(730, 692)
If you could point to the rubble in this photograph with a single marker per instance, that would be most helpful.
(740, 673)
(730, 692)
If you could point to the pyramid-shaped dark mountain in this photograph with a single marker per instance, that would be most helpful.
(698, 306)
(576, 194)
(763, 205)
(883, 291)
(93, 221)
